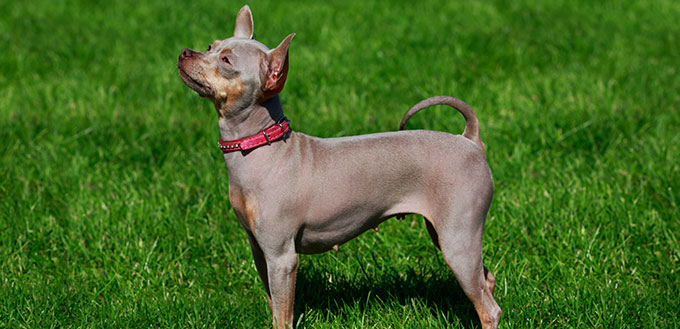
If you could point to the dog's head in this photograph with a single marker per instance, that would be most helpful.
(236, 72)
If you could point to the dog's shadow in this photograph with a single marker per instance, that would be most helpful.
(438, 293)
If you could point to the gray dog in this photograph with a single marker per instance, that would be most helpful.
(295, 193)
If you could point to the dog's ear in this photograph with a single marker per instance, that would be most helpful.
(244, 23)
(277, 59)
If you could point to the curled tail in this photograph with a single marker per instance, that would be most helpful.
(471, 124)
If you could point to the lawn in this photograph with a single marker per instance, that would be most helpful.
(114, 210)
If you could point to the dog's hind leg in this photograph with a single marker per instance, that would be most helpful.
(433, 233)
(459, 225)
(490, 279)
(463, 254)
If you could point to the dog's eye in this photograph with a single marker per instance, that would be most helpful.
(225, 59)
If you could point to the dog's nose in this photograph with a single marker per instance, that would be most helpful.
(186, 52)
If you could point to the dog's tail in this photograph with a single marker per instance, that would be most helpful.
(471, 124)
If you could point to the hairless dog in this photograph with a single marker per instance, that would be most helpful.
(298, 194)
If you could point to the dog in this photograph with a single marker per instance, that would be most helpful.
(298, 194)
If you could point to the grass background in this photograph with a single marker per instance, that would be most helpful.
(113, 196)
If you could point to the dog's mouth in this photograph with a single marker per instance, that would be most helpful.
(202, 89)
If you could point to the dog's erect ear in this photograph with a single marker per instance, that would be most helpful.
(244, 23)
(278, 68)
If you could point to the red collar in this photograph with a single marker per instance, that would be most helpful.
(266, 136)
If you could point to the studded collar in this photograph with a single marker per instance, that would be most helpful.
(266, 136)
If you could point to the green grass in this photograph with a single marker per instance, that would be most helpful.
(113, 197)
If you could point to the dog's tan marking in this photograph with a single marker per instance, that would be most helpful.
(227, 90)
(245, 208)
(250, 209)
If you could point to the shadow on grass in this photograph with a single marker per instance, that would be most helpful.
(439, 294)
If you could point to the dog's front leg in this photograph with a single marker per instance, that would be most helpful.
(282, 270)
(261, 265)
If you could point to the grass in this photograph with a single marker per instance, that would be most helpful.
(113, 196)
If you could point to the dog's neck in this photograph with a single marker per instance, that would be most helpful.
(248, 122)
(251, 120)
